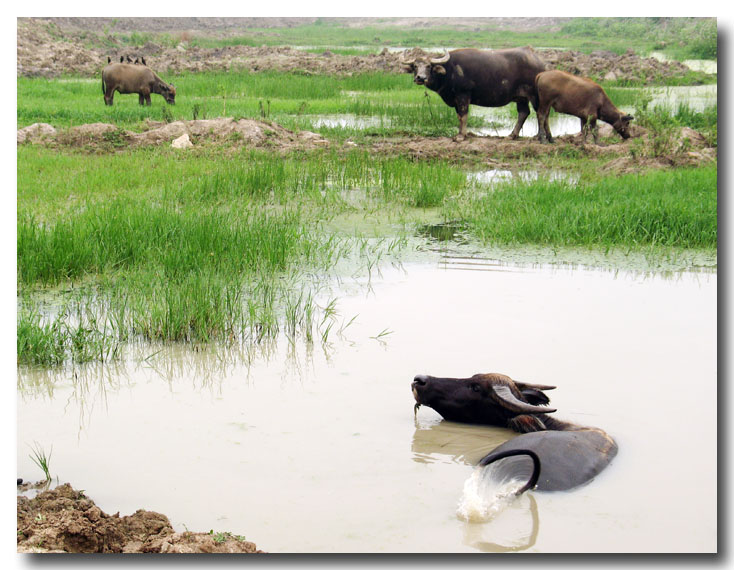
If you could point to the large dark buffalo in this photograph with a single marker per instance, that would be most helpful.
(488, 79)
(131, 78)
(564, 455)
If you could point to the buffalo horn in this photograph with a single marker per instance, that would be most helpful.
(443, 59)
(406, 61)
(510, 402)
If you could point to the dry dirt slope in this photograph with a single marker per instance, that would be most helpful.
(50, 47)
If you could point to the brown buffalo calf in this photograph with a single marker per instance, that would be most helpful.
(578, 96)
(131, 78)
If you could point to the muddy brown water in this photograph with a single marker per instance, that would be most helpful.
(317, 449)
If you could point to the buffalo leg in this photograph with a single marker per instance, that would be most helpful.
(147, 99)
(141, 99)
(462, 111)
(595, 130)
(544, 133)
(523, 111)
(547, 127)
(109, 96)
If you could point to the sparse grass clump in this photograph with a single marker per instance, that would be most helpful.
(43, 461)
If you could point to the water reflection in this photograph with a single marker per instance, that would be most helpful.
(349, 121)
(501, 124)
(496, 176)
(449, 442)
(515, 527)
(448, 231)
(515, 530)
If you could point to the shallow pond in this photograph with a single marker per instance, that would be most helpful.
(705, 65)
(317, 449)
(697, 97)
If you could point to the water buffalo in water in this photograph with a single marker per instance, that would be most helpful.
(130, 78)
(580, 97)
(564, 455)
(488, 79)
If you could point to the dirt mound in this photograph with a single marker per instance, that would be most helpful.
(51, 47)
(245, 132)
(35, 132)
(65, 520)
(673, 147)
(610, 66)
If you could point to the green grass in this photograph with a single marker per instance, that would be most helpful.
(657, 209)
(212, 248)
(43, 461)
(291, 100)
(678, 37)
(392, 103)
(159, 247)
(119, 245)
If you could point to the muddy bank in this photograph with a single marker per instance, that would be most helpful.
(66, 520)
(682, 147)
(47, 49)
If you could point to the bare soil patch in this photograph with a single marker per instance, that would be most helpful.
(50, 47)
(66, 520)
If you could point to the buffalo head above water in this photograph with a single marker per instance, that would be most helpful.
(492, 399)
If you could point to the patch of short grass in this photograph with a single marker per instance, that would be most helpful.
(656, 209)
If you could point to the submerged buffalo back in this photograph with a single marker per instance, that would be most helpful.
(567, 458)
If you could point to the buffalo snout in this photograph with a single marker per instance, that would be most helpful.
(420, 380)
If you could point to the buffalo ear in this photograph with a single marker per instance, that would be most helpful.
(440, 69)
(535, 397)
(628, 118)
(408, 67)
(509, 401)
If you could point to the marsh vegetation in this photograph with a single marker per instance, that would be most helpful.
(229, 243)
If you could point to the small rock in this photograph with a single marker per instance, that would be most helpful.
(610, 76)
(182, 142)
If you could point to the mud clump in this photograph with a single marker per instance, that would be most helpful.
(65, 520)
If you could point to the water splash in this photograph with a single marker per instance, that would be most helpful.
(490, 490)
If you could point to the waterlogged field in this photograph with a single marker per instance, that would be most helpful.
(361, 105)
(285, 301)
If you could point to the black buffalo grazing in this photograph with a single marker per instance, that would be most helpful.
(130, 78)
(580, 97)
(564, 455)
(488, 79)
